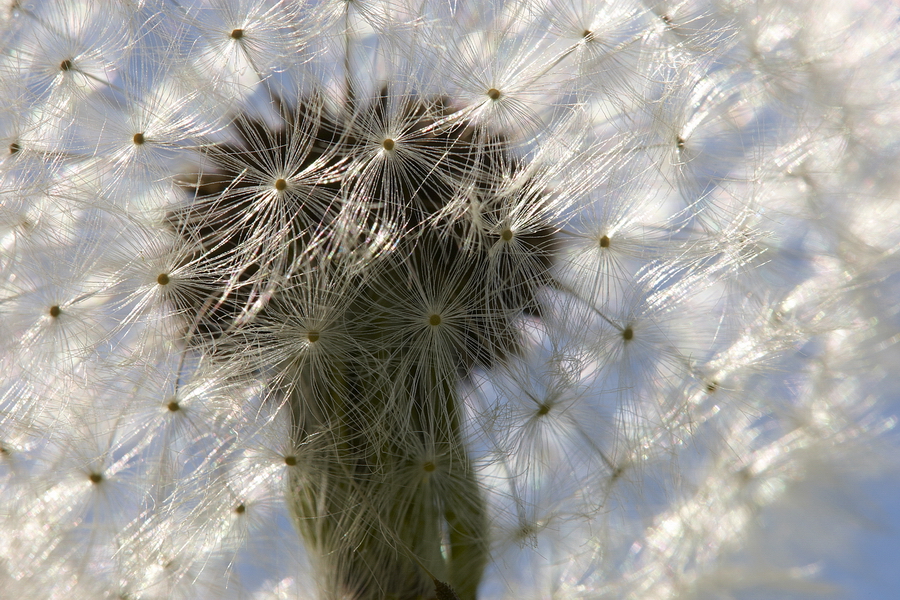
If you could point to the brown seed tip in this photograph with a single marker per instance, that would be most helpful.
(138, 139)
(55, 311)
(237, 34)
(604, 241)
(162, 279)
(434, 320)
(95, 478)
(280, 184)
(388, 144)
(628, 334)
(66, 65)
(494, 94)
(443, 591)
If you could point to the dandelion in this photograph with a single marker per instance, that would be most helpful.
(441, 300)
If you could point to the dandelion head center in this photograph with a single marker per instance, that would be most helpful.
(348, 204)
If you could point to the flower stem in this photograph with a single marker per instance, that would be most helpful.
(389, 501)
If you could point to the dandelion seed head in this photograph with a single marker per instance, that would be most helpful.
(373, 243)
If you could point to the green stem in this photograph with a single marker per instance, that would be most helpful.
(382, 522)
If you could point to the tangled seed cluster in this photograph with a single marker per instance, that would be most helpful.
(435, 272)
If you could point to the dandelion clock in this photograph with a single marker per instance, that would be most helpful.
(446, 300)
